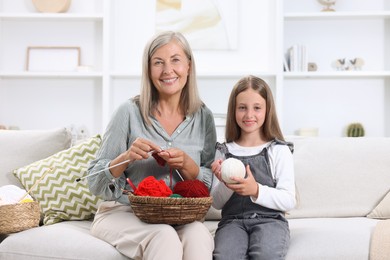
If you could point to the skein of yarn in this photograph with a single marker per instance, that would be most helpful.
(150, 186)
(232, 167)
(191, 188)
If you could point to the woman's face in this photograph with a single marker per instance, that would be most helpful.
(250, 111)
(169, 68)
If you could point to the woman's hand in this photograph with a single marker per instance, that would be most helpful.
(140, 149)
(245, 186)
(178, 159)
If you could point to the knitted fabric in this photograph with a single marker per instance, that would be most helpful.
(159, 160)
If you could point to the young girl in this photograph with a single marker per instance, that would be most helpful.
(253, 225)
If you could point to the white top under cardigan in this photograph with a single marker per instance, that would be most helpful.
(282, 197)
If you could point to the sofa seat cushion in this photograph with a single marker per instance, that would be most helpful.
(212, 226)
(64, 240)
(330, 238)
(326, 238)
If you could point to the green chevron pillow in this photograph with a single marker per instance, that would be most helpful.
(54, 183)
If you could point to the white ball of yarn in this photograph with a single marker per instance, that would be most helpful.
(232, 167)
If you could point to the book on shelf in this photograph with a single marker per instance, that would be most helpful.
(297, 55)
(285, 64)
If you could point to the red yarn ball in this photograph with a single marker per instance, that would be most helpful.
(191, 188)
(150, 186)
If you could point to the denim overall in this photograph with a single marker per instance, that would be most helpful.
(248, 230)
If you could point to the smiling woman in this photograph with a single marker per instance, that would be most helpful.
(168, 113)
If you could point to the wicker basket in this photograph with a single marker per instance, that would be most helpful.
(172, 211)
(19, 217)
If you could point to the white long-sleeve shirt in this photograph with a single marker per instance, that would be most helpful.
(282, 197)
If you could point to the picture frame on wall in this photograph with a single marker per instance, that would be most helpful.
(53, 58)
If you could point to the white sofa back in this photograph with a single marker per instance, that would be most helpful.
(335, 177)
(340, 177)
(21, 147)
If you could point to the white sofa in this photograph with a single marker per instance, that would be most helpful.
(339, 182)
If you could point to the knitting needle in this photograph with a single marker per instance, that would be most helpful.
(36, 183)
(131, 184)
(105, 169)
(115, 165)
(178, 173)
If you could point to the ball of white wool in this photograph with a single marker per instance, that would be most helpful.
(232, 167)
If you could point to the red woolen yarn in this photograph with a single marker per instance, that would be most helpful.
(191, 188)
(150, 186)
(159, 160)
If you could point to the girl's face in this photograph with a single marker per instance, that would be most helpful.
(169, 68)
(250, 111)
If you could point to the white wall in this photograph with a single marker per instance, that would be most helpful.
(329, 104)
(133, 28)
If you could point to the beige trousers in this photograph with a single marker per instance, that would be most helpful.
(116, 224)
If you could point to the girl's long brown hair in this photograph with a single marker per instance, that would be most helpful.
(271, 128)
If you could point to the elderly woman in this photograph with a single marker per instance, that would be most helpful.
(167, 118)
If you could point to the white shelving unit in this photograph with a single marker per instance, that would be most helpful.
(38, 100)
(112, 35)
(328, 99)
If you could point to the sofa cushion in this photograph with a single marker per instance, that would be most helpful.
(340, 177)
(213, 214)
(22, 147)
(330, 238)
(60, 196)
(326, 238)
(64, 240)
(382, 210)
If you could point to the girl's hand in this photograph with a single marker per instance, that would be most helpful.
(216, 169)
(245, 186)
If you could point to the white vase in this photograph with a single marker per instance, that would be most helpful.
(52, 6)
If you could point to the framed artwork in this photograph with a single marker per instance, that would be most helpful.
(207, 24)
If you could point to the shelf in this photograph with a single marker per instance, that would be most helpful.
(74, 75)
(337, 74)
(202, 74)
(338, 15)
(234, 74)
(50, 16)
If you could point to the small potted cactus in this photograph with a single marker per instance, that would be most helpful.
(355, 130)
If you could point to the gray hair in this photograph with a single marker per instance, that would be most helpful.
(190, 101)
